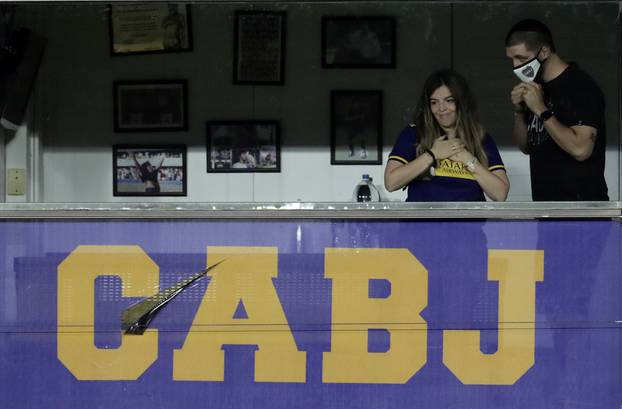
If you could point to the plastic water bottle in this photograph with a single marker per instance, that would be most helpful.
(365, 191)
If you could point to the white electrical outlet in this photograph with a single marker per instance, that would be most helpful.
(16, 182)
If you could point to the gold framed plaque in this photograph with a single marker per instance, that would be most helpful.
(150, 28)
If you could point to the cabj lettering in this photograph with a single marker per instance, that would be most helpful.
(202, 359)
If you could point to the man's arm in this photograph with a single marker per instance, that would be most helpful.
(578, 141)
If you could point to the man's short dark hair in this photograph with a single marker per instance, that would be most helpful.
(533, 33)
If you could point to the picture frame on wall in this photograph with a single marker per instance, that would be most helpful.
(243, 146)
(147, 28)
(149, 170)
(159, 105)
(259, 53)
(358, 42)
(356, 127)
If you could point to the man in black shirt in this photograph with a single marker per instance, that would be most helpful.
(559, 118)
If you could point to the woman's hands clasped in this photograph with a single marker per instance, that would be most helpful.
(463, 156)
(453, 149)
(444, 148)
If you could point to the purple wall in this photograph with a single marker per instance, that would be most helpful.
(577, 340)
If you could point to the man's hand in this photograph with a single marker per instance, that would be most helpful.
(517, 97)
(534, 97)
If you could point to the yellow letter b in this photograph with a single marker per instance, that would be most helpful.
(354, 313)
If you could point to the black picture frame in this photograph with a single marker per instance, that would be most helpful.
(243, 146)
(136, 177)
(259, 47)
(156, 105)
(358, 42)
(356, 127)
(149, 28)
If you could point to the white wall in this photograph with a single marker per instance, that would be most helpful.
(74, 118)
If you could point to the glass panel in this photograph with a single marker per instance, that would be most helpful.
(74, 119)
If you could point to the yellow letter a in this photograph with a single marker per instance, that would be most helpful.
(246, 274)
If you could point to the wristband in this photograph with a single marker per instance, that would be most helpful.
(429, 152)
(545, 115)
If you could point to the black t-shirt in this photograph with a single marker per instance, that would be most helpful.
(575, 99)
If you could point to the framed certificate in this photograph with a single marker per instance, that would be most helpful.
(259, 40)
(149, 28)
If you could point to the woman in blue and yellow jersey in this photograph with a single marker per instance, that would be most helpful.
(446, 155)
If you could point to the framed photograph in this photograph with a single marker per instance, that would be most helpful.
(149, 170)
(243, 146)
(358, 42)
(149, 28)
(356, 128)
(259, 54)
(150, 106)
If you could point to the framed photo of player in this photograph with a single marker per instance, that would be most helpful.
(150, 106)
(147, 28)
(356, 127)
(358, 42)
(243, 146)
(259, 54)
(149, 170)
